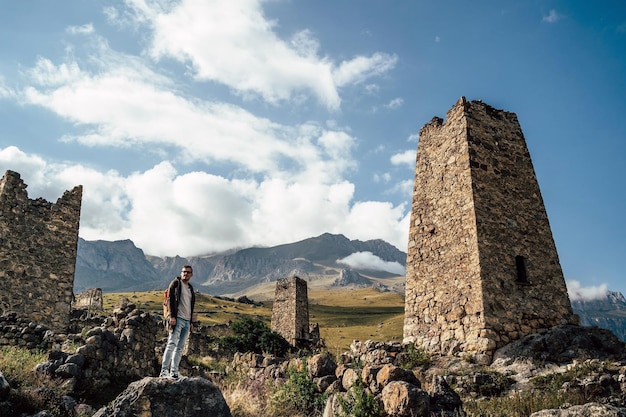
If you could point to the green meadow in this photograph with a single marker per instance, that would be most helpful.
(343, 315)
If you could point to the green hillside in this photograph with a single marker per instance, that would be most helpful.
(343, 315)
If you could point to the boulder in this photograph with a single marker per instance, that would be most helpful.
(442, 397)
(5, 388)
(401, 399)
(321, 365)
(186, 397)
(563, 344)
(389, 373)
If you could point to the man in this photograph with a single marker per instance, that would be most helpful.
(181, 301)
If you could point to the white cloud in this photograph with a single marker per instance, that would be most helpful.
(233, 43)
(552, 17)
(577, 292)
(395, 103)
(361, 68)
(168, 213)
(367, 260)
(281, 183)
(80, 30)
(125, 104)
(404, 158)
(413, 137)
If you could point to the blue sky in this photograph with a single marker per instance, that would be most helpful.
(198, 126)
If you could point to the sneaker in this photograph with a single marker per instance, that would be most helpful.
(164, 374)
(174, 376)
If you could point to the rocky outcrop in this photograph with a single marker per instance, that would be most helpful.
(563, 344)
(608, 312)
(187, 397)
(115, 266)
(349, 277)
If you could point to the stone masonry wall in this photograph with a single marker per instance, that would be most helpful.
(38, 244)
(482, 267)
(90, 298)
(290, 313)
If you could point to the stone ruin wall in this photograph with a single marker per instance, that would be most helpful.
(38, 245)
(477, 217)
(90, 299)
(290, 312)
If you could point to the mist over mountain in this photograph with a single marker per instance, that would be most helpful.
(608, 312)
(121, 266)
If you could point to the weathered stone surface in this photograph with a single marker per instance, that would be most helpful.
(389, 373)
(37, 253)
(585, 410)
(5, 388)
(482, 268)
(90, 299)
(187, 397)
(401, 399)
(562, 344)
(290, 312)
(442, 397)
(350, 376)
(321, 365)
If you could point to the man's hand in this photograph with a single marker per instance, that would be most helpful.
(172, 321)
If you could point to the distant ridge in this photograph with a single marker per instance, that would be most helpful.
(121, 266)
(608, 312)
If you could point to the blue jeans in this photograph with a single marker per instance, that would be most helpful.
(175, 344)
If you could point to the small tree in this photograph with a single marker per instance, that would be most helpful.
(251, 335)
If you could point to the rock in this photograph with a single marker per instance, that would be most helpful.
(321, 365)
(389, 373)
(442, 397)
(187, 397)
(401, 399)
(563, 344)
(350, 376)
(585, 410)
(5, 388)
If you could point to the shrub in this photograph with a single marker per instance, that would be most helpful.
(250, 335)
(413, 357)
(297, 396)
(358, 402)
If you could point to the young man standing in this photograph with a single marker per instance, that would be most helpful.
(181, 301)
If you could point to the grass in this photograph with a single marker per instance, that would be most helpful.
(343, 315)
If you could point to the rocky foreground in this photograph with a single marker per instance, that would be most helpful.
(586, 366)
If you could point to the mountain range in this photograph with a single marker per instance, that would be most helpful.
(326, 261)
(323, 261)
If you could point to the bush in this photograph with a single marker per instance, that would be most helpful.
(413, 357)
(250, 335)
(359, 402)
(297, 396)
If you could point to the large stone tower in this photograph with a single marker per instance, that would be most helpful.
(290, 313)
(38, 245)
(482, 266)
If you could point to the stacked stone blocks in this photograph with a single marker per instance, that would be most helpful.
(290, 312)
(482, 266)
(38, 245)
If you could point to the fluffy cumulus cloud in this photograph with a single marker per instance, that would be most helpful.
(578, 292)
(367, 260)
(215, 174)
(232, 43)
(168, 213)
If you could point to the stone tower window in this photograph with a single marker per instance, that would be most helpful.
(522, 272)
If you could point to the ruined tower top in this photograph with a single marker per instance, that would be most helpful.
(37, 252)
(482, 266)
